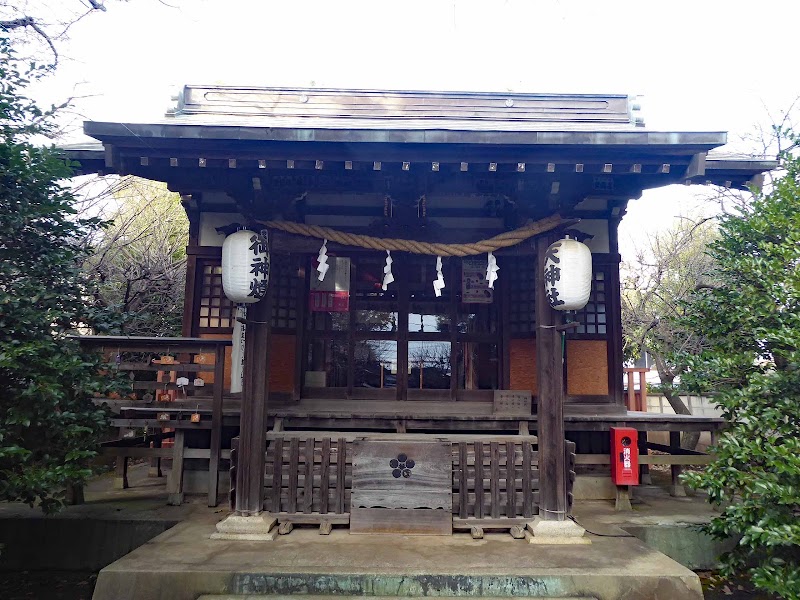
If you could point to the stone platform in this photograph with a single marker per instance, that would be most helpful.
(184, 564)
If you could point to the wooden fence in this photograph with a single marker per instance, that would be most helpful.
(495, 479)
(156, 408)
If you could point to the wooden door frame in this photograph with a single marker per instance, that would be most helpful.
(404, 336)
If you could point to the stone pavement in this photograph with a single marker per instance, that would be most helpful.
(182, 562)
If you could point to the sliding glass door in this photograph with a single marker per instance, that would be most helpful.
(404, 343)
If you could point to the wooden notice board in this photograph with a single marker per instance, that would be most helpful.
(402, 487)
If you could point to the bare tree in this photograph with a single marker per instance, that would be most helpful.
(41, 24)
(663, 274)
(139, 262)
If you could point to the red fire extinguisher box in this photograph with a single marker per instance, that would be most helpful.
(624, 456)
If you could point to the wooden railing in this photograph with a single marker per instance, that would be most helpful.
(672, 455)
(634, 401)
(164, 405)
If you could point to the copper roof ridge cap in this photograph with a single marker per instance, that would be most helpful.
(494, 93)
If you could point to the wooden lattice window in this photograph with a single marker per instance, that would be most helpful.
(284, 292)
(522, 303)
(592, 317)
(216, 311)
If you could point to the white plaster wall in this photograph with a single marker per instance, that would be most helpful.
(210, 221)
(598, 228)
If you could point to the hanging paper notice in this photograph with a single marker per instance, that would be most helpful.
(474, 287)
(237, 354)
(332, 294)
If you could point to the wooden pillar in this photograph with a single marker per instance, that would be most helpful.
(614, 315)
(216, 425)
(631, 391)
(549, 373)
(253, 420)
(190, 296)
(643, 390)
(505, 326)
(400, 270)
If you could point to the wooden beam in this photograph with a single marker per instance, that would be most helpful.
(653, 459)
(400, 268)
(549, 374)
(255, 391)
(697, 166)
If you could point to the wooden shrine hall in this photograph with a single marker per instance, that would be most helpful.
(372, 398)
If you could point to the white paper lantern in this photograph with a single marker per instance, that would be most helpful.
(245, 267)
(568, 274)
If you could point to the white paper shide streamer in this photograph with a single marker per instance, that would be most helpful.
(245, 266)
(438, 283)
(568, 274)
(322, 259)
(491, 270)
(387, 271)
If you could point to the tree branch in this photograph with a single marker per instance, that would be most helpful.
(96, 5)
(28, 21)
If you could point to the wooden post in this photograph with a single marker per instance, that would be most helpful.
(121, 473)
(253, 423)
(74, 494)
(714, 437)
(676, 489)
(644, 470)
(643, 390)
(155, 463)
(216, 425)
(623, 498)
(631, 391)
(549, 373)
(175, 480)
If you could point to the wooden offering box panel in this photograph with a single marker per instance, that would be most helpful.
(402, 487)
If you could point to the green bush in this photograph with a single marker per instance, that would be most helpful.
(49, 428)
(751, 322)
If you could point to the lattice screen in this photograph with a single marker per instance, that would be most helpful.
(284, 292)
(592, 318)
(216, 311)
(523, 296)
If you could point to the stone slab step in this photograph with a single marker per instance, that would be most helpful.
(337, 597)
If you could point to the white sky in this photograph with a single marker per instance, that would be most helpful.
(704, 65)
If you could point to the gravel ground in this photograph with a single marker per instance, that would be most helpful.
(47, 585)
(740, 589)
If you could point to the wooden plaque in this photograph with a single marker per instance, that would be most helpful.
(402, 487)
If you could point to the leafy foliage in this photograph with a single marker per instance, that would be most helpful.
(48, 424)
(751, 325)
